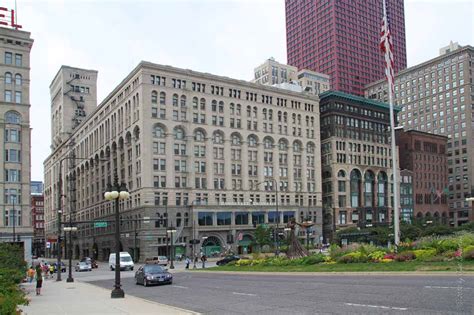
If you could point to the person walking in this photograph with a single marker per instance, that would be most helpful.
(203, 260)
(188, 261)
(51, 271)
(39, 280)
(31, 274)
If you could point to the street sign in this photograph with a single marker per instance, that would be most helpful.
(146, 219)
(100, 224)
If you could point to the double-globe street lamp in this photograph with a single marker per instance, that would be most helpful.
(69, 229)
(117, 192)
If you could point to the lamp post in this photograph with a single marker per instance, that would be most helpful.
(171, 230)
(117, 192)
(69, 229)
(193, 238)
(60, 194)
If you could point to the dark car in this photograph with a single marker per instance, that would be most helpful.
(153, 274)
(90, 261)
(63, 267)
(227, 260)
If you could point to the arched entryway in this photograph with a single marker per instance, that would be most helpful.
(211, 246)
(245, 244)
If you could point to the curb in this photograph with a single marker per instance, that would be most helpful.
(345, 273)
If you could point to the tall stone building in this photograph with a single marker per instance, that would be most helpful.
(425, 155)
(436, 97)
(211, 156)
(356, 162)
(273, 73)
(15, 220)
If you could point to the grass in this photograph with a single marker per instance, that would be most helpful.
(359, 267)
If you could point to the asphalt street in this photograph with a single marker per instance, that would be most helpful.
(219, 293)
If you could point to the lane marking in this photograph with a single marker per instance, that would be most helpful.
(378, 306)
(179, 286)
(247, 294)
(439, 287)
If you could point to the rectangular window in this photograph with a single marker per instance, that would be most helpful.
(18, 97)
(8, 96)
(287, 215)
(224, 218)
(273, 217)
(8, 58)
(241, 218)
(258, 218)
(18, 60)
(205, 218)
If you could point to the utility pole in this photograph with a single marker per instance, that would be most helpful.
(60, 193)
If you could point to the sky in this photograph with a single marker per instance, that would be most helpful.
(223, 37)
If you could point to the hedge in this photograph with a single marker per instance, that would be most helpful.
(12, 272)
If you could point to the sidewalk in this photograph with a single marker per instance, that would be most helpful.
(59, 298)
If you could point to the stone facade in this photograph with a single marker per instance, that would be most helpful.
(15, 218)
(356, 162)
(198, 152)
(436, 97)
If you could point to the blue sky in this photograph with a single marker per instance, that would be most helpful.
(223, 37)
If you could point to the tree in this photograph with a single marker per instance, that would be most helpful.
(262, 235)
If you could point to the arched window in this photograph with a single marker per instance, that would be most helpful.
(369, 188)
(283, 145)
(341, 174)
(199, 136)
(178, 133)
(217, 138)
(235, 139)
(203, 103)
(221, 107)
(252, 141)
(382, 189)
(18, 79)
(12, 118)
(183, 101)
(154, 97)
(296, 146)
(175, 99)
(162, 98)
(355, 188)
(8, 78)
(158, 131)
(268, 143)
(195, 103)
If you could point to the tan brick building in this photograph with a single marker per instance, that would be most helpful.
(15, 218)
(200, 151)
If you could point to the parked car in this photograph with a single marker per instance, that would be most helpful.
(90, 261)
(83, 266)
(126, 261)
(63, 267)
(159, 260)
(227, 260)
(153, 274)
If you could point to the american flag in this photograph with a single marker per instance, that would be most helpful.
(386, 46)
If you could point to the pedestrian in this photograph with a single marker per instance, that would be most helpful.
(203, 260)
(39, 280)
(51, 271)
(31, 274)
(188, 261)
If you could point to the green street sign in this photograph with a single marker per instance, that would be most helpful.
(100, 224)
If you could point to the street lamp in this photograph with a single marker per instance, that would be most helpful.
(194, 241)
(202, 245)
(69, 229)
(117, 192)
(171, 230)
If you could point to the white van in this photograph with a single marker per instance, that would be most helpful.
(126, 261)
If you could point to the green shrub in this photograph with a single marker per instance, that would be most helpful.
(377, 255)
(468, 255)
(424, 254)
(12, 272)
(353, 257)
(313, 259)
(405, 256)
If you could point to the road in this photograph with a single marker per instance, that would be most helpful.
(219, 293)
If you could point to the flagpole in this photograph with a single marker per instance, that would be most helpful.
(396, 195)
